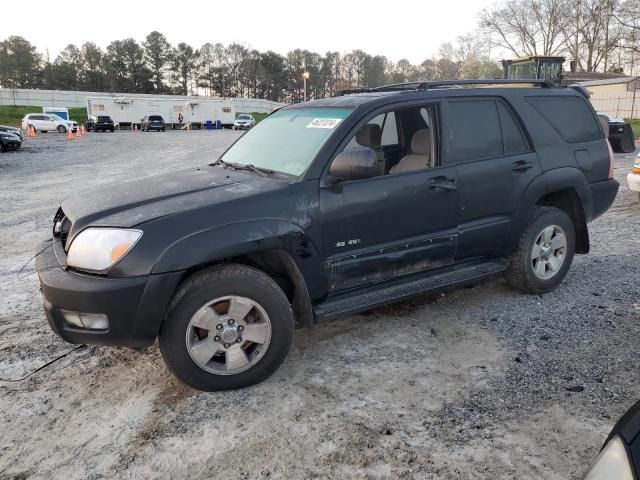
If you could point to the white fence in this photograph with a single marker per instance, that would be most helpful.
(70, 99)
(621, 105)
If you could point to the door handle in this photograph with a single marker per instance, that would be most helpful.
(442, 183)
(521, 166)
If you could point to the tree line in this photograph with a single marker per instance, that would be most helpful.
(600, 35)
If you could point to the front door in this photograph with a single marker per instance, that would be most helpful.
(400, 222)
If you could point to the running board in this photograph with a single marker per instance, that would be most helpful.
(400, 289)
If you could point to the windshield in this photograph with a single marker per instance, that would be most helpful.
(56, 118)
(244, 117)
(104, 119)
(287, 140)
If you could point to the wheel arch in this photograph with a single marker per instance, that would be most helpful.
(564, 188)
(281, 249)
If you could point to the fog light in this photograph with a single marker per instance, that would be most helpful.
(93, 321)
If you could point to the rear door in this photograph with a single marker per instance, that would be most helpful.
(495, 164)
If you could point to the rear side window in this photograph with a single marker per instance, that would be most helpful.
(514, 141)
(569, 116)
(473, 131)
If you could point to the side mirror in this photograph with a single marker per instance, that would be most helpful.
(355, 164)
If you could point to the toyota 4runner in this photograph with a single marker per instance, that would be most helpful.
(325, 209)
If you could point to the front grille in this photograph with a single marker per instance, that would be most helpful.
(61, 227)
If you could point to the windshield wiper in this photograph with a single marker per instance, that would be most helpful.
(220, 161)
(264, 172)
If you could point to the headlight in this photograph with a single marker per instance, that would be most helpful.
(98, 249)
(612, 462)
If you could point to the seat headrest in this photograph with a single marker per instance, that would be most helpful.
(421, 142)
(369, 135)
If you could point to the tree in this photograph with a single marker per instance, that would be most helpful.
(157, 53)
(67, 69)
(93, 67)
(529, 27)
(185, 60)
(127, 68)
(20, 63)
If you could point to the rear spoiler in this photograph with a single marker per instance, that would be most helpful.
(580, 89)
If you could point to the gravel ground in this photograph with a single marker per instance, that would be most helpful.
(482, 382)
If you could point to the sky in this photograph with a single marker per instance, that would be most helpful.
(409, 29)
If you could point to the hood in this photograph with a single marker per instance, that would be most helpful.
(131, 203)
(10, 135)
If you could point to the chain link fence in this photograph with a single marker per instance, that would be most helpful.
(619, 104)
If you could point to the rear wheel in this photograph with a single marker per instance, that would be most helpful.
(61, 129)
(228, 327)
(544, 253)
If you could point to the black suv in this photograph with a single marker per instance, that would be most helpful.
(100, 123)
(329, 208)
(152, 122)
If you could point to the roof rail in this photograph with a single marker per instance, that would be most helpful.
(433, 84)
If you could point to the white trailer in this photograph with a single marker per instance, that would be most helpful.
(128, 111)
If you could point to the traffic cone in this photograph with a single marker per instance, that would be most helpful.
(70, 134)
(84, 132)
(135, 128)
(78, 132)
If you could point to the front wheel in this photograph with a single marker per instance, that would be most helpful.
(62, 129)
(227, 327)
(544, 253)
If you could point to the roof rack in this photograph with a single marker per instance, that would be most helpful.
(434, 84)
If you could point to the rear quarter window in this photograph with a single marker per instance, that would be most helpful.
(571, 117)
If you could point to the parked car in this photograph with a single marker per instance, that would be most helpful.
(620, 134)
(9, 141)
(325, 209)
(48, 122)
(100, 123)
(633, 178)
(12, 130)
(244, 122)
(619, 457)
(152, 122)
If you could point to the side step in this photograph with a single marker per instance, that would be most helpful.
(400, 289)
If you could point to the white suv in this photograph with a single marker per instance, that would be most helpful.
(44, 122)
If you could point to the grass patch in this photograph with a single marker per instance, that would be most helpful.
(12, 114)
(259, 116)
(635, 125)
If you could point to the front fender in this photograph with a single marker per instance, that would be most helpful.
(244, 238)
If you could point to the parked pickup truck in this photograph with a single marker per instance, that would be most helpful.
(325, 209)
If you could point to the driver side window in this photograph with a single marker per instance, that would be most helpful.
(403, 140)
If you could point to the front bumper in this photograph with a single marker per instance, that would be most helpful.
(134, 306)
(12, 144)
(633, 179)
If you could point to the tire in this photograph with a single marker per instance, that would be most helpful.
(542, 275)
(220, 286)
(61, 129)
(111, 130)
(3, 148)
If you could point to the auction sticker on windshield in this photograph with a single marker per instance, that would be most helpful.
(324, 122)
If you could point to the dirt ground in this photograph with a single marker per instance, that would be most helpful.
(483, 382)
